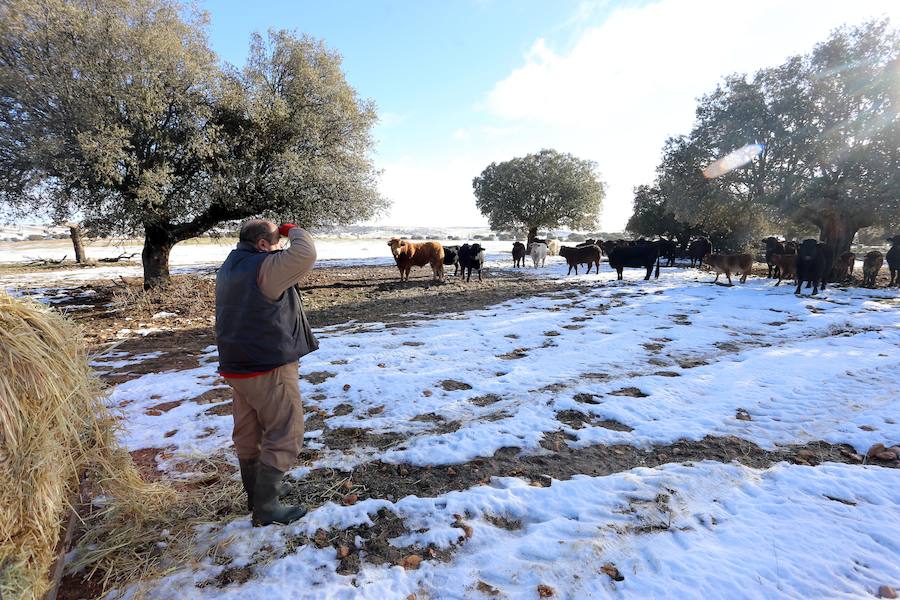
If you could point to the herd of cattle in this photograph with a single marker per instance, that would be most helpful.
(810, 261)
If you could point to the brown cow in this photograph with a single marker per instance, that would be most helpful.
(843, 267)
(728, 264)
(871, 266)
(408, 255)
(787, 266)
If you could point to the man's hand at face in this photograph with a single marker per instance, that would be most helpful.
(285, 228)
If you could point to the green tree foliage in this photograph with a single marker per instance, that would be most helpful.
(653, 217)
(117, 111)
(682, 203)
(548, 189)
(830, 129)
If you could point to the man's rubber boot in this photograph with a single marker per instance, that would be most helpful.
(248, 477)
(266, 507)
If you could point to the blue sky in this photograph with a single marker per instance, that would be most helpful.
(461, 83)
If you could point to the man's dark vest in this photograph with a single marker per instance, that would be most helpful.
(254, 333)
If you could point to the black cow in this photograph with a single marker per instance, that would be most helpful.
(773, 246)
(581, 255)
(635, 256)
(668, 249)
(451, 257)
(814, 263)
(893, 260)
(698, 249)
(471, 256)
(519, 253)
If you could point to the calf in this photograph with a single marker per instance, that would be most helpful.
(893, 260)
(471, 256)
(451, 257)
(519, 254)
(843, 266)
(538, 253)
(786, 265)
(553, 247)
(588, 255)
(871, 265)
(635, 256)
(790, 247)
(814, 261)
(698, 249)
(408, 255)
(730, 263)
(773, 246)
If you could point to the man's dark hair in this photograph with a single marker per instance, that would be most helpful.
(258, 229)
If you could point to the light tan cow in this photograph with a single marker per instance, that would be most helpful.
(730, 263)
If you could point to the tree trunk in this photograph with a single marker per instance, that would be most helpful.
(155, 257)
(75, 234)
(838, 231)
(532, 233)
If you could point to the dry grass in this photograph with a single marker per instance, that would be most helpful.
(190, 296)
(121, 545)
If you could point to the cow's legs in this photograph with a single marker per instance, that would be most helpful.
(649, 271)
(619, 271)
(728, 275)
(479, 275)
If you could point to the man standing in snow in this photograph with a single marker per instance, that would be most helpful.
(261, 332)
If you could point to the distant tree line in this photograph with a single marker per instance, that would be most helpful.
(829, 126)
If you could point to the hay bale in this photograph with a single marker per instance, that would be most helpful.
(54, 429)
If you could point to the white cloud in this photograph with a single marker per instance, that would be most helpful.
(631, 82)
(461, 135)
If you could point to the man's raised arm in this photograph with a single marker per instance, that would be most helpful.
(282, 270)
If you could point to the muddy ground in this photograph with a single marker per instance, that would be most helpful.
(331, 296)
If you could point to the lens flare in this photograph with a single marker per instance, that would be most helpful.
(732, 161)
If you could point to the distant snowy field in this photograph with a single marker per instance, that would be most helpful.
(186, 257)
(693, 356)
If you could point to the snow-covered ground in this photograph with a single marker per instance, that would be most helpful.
(664, 360)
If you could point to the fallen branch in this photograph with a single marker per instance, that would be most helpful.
(43, 262)
(123, 256)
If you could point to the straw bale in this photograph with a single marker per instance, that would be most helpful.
(54, 430)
